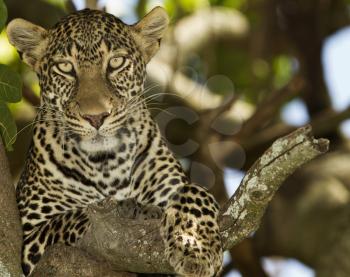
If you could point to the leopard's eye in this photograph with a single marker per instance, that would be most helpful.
(65, 68)
(117, 63)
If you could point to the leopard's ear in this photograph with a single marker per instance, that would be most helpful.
(149, 31)
(29, 39)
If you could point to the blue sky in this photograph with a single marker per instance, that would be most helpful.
(336, 61)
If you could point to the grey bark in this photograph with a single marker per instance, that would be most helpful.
(10, 226)
(245, 209)
(54, 264)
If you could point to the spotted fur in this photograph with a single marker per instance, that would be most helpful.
(95, 139)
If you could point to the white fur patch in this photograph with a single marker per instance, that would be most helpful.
(99, 144)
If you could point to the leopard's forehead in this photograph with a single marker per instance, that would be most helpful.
(86, 31)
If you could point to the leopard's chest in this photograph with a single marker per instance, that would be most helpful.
(88, 177)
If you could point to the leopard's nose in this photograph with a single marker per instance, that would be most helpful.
(96, 120)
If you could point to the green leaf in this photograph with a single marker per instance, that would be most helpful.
(8, 129)
(283, 70)
(10, 85)
(3, 14)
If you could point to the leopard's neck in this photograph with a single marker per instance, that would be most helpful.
(63, 155)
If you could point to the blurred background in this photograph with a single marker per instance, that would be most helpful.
(231, 77)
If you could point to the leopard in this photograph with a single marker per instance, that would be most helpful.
(94, 139)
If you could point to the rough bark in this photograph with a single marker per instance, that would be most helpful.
(242, 214)
(10, 226)
(136, 246)
(54, 264)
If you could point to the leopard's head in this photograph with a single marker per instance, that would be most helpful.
(91, 69)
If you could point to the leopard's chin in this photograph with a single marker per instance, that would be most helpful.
(99, 143)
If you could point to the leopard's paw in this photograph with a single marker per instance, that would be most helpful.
(193, 248)
(190, 258)
(191, 233)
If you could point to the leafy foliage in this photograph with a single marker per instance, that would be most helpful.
(10, 92)
(10, 85)
(8, 129)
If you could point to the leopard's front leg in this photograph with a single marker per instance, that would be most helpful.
(191, 233)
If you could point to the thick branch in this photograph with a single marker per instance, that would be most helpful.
(243, 212)
(54, 264)
(10, 226)
(136, 246)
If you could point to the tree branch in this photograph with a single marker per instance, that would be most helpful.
(321, 125)
(54, 264)
(10, 226)
(269, 107)
(136, 245)
(243, 212)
